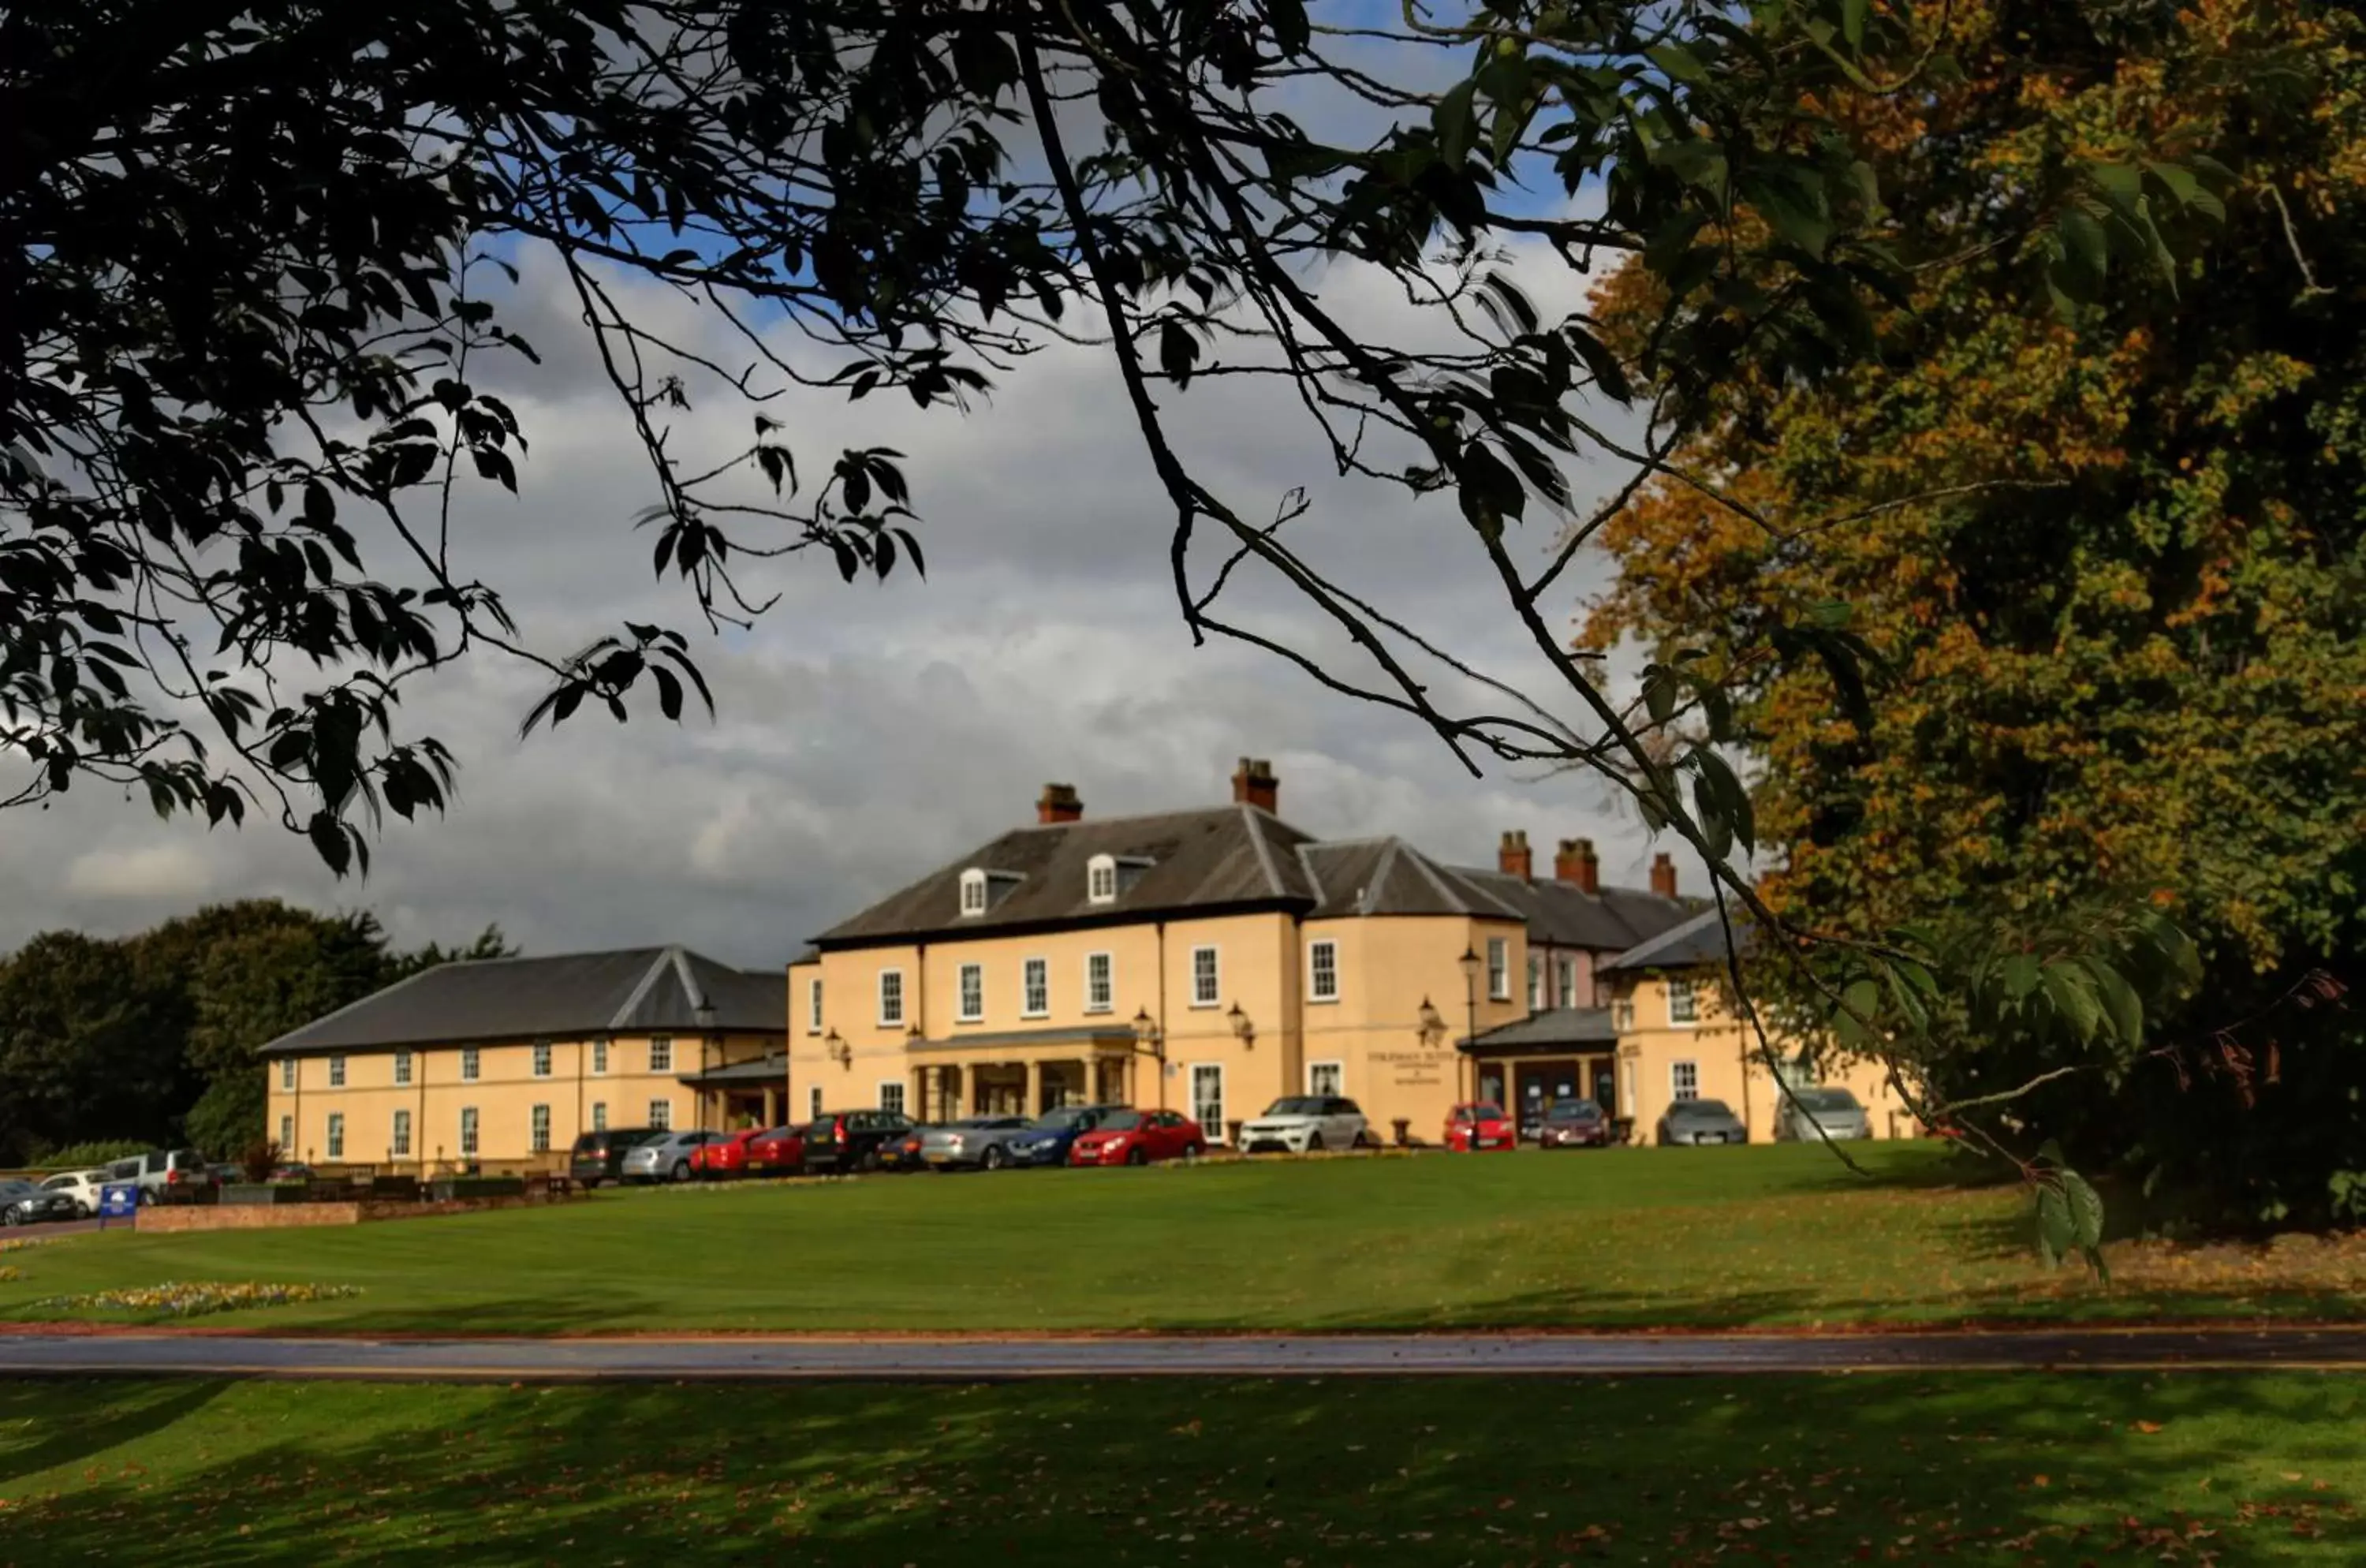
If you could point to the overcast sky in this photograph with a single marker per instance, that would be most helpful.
(870, 732)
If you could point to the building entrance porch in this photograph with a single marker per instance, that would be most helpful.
(947, 1092)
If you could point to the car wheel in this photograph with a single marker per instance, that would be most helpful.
(995, 1158)
(11, 1217)
(1137, 1157)
(681, 1170)
(869, 1160)
(1315, 1143)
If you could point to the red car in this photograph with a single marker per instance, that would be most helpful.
(726, 1157)
(777, 1151)
(1476, 1128)
(1137, 1137)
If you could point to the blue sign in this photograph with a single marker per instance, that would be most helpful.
(118, 1200)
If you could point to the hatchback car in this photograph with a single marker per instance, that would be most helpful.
(1305, 1124)
(777, 1151)
(842, 1140)
(1139, 1137)
(599, 1157)
(726, 1158)
(81, 1186)
(980, 1141)
(22, 1203)
(1702, 1121)
(1811, 1115)
(1047, 1139)
(665, 1156)
(1574, 1124)
(1477, 1126)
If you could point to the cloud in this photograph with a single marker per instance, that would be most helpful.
(175, 871)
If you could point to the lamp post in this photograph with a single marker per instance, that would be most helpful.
(1469, 962)
(1150, 1041)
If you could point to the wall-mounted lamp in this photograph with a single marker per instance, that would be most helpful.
(837, 1049)
(1242, 1030)
(1148, 1038)
(1432, 1026)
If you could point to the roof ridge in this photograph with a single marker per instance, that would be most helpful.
(1306, 864)
(407, 980)
(1380, 876)
(1643, 952)
(1256, 832)
(1145, 817)
(633, 998)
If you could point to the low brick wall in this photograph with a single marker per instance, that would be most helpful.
(170, 1218)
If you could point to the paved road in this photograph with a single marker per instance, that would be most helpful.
(1306, 1356)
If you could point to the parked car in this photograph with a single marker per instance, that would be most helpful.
(221, 1173)
(1048, 1138)
(1702, 1121)
(160, 1169)
(726, 1158)
(22, 1203)
(600, 1157)
(1476, 1126)
(293, 1170)
(1303, 1124)
(664, 1157)
(81, 1186)
(902, 1153)
(1138, 1137)
(841, 1141)
(777, 1151)
(1811, 1115)
(1574, 1124)
(980, 1141)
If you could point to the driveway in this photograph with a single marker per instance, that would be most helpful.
(986, 1360)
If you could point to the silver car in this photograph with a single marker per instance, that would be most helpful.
(665, 1156)
(1303, 1124)
(1702, 1121)
(980, 1141)
(1811, 1115)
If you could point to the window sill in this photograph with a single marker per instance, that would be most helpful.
(1204, 1006)
(979, 1018)
(1100, 1011)
(1321, 1001)
(1044, 1014)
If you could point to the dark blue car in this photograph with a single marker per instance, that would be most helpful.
(1046, 1142)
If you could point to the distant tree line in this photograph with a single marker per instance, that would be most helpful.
(151, 1038)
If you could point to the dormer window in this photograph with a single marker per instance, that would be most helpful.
(1100, 879)
(981, 889)
(973, 893)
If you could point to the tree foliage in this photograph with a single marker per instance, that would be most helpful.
(2112, 665)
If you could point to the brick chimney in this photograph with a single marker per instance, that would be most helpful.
(1512, 856)
(1576, 863)
(1664, 876)
(1058, 803)
(1253, 785)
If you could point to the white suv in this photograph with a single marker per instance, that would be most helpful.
(1299, 1124)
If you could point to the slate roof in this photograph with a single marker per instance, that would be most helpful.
(1219, 857)
(1700, 939)
(636, 991)
(1565, 915)
(763, 1070)
(1559, 1026)
(1389, 876)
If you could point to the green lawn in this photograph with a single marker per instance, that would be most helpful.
(1620, 1238)
(2025, 1470)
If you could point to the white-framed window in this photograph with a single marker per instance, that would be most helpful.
(891, 997)
(1566, 978)
(813, 1005)
(973, 893)
(973, 993)
(1535, 982)
(1684, 1080)
(891, 1094)
(1100, 880)
(470, 1061)
(1322, 974)
(538, 1126)
(467, 1129)
(542, 1058)
(1499, 969)
(1206, 986)
(288, 1136)
(598, 1115)
(1035, 989)
(336, 1135)
(600, 1056)
(813, 1103)
(287, 1072)
(661, 1053)
(1208, 1099)
(336, 1072)
(1325, 1078)
(1683, 1006)
(661, 1115)
(1627, 1087)
(1100, 982)
(402, 1067)
(1622, 1016)
(399, 1141)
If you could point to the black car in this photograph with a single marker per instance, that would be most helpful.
(600, 1157)
(1574, 1124)
(22, 1203)
(842, 1140)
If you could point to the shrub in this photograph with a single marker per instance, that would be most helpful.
(261, 1158)
(76, 1156)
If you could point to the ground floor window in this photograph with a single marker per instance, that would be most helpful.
(661, 1114)
(891, 1094)
(1208, 1100)
(401, 1135)
(813, 1103)
(467, 1129)
(336, 1135)
(540, 1124)
(1684, 1080)
(288, 1136)
(1325, 1078)
(1626, 1093)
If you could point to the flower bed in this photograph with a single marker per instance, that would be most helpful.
(8, 1274)
(26, 1243)
(193, 1298)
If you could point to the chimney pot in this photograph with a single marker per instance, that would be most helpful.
(1664, 876)
(1576, 863)
(1058, 803)
(1512, 856)
(1253, 785)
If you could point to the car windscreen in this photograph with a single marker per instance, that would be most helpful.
(1573, 1110)
(1490, 1112)
(1297, 1105)
(1120, 1121)
(1827, 1101)
(1062, 1121)
(1702, 1109)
